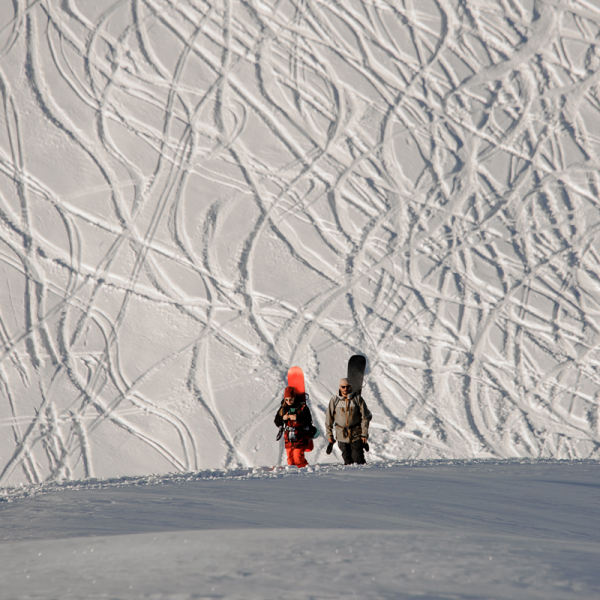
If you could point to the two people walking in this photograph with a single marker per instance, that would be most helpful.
(347, 411)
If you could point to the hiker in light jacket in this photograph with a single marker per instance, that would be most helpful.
(351, 416)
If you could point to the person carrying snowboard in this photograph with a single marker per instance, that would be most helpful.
(351, 416)
(294, 416)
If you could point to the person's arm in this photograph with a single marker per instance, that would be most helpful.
(329, 420)
(280, 418)
(365, 418)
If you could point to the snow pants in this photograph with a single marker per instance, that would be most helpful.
(352, 452)
(295, 456)
(295, 452)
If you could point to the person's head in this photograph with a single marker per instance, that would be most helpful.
(345, 387)
(289, 396)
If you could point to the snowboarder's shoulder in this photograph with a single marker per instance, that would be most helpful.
(359, 400)
(362, 401)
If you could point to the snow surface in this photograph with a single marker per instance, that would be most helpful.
(196, 195)
(458, 530)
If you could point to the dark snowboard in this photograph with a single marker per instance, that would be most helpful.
(356, 372)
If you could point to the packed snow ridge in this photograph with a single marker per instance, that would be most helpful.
(196, 195)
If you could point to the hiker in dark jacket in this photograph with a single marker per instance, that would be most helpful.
(351, 417)
(295, 416)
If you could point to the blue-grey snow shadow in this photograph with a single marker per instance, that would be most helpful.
(545, 500)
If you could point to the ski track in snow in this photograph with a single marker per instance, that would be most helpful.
(195, 196)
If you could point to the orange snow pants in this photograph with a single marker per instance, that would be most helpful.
(295, 456)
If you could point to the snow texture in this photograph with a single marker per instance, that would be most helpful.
(196, 195)
(457, 531)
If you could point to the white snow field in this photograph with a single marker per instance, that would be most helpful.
(196, 195)
(458, 530)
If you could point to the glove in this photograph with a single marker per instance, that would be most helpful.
(329, 448)
(365, 446)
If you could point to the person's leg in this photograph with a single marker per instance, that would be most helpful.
(358, 455)
(346, 452)
(299, 458)
(290, 454)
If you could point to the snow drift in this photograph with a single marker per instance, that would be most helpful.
(435, 530)
(196, 195)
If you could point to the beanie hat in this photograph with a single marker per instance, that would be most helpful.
(289, 392)
(344, 381)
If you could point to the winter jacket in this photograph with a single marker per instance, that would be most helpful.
(351, 417)
(298, 432)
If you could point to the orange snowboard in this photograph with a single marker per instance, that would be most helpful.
(296, 380)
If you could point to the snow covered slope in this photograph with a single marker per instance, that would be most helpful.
(195, 195)
(389, 531)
